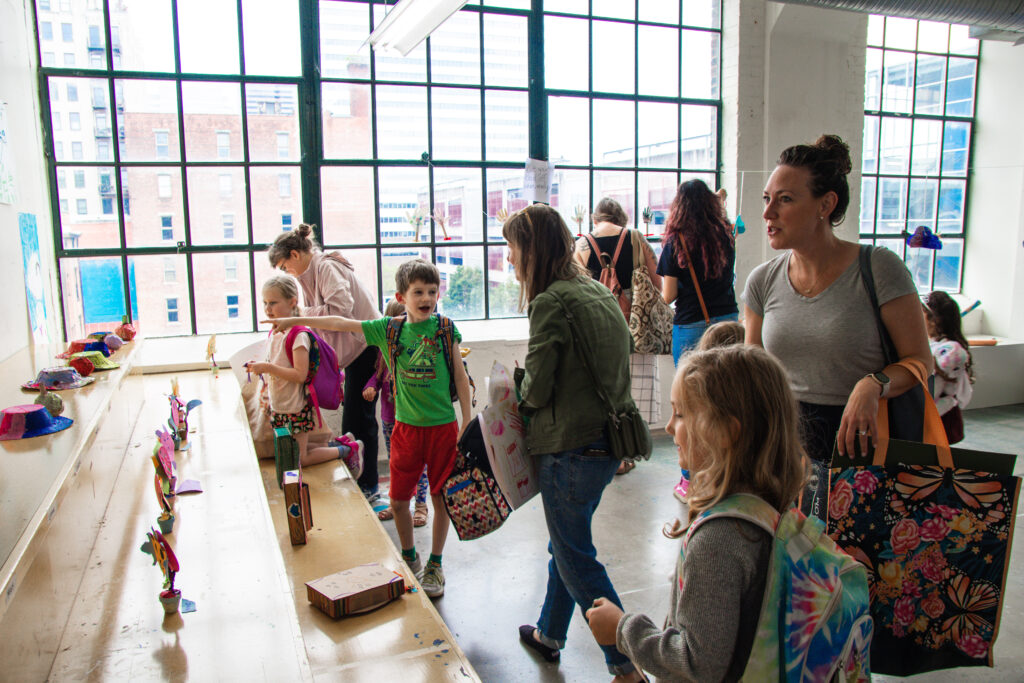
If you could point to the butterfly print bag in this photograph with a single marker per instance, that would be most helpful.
(933, 526)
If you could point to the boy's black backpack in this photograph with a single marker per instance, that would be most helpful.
(445, 336)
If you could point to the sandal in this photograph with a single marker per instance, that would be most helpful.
(625, 466)
(420, 515)
(380, 505)
(385, 514)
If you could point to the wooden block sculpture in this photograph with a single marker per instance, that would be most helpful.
(296, 506)
(286, 453)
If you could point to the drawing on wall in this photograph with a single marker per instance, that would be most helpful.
(6, 160)
(34, 291)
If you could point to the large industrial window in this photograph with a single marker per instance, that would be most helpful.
(919, 116)
(209, 126)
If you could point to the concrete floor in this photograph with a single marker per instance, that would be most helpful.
(496, 583)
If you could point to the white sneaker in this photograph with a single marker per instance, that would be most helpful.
(416, 566)
(432, 580)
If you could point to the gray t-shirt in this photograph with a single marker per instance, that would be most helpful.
(826, 343)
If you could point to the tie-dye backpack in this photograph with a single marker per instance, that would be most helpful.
(815, 624)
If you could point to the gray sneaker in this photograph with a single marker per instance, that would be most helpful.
(432, 580)
(416, 566)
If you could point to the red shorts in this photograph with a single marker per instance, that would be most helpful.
(414, 447)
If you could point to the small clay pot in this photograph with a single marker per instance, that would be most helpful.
(170, 600)
(166, 524)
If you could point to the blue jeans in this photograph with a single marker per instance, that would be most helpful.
(571, 485)
(685, 337)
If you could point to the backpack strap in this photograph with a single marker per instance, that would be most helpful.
(743, 506)
(618, 246)
(446, 337)
(289, 341)
(594, 248)
(391, 334)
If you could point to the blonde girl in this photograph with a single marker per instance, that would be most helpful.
(734, 424)
(290, 405)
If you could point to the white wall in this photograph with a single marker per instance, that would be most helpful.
(994, 262)
(19, 91)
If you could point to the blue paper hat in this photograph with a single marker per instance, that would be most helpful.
(924, 238)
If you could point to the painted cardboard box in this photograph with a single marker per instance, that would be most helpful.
(355, 590)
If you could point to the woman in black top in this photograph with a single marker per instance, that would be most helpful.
(610, 221)
(697, 218)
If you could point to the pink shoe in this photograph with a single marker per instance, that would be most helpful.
(681, 488)
(354, 458)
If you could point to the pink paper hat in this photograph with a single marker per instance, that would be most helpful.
(24, 422)
(58, 378)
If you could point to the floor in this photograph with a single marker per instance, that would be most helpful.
(496, 583)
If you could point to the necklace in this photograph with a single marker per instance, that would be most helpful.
(806, 291)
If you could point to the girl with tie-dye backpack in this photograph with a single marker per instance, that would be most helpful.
(760, 592)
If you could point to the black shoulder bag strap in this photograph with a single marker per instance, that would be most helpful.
(906, 411)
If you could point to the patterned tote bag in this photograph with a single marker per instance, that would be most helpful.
(934, 533)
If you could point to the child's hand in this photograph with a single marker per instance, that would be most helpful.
(369, 393)
(281, 324)
(258, 367)
(604, 619)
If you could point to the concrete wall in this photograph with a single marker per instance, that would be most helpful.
(19, 92)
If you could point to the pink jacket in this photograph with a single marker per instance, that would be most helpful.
(330, 287)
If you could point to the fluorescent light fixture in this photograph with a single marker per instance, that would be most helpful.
(409, 22)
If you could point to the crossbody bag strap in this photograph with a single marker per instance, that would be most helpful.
(584, 353)
(868, 277)
(693, 275)
(639, 254)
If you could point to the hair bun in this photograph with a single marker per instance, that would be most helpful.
(304, 229)
(837, 151)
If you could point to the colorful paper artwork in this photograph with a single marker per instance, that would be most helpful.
(6, 160)
(35, 293)
(505, 440)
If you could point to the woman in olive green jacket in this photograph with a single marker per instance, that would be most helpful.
(566, 418)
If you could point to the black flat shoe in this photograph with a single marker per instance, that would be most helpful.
(526, 635)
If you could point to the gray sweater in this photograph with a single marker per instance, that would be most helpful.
(716, 602)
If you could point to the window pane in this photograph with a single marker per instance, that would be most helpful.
(960, 42)
(659, 61)
(390, 259)
(613, 69)
(873, 80)
(223, 298)
(208, 31)
(931, 77)
(404, 204)
(567, 6)
(701, 62)
(570, 195)
(867, 204)
(900, 33)
(268, 201)
(702, 13)
(927, 140)
(658, 130)
(505, 51)
(82, 226)
(347, 197)
(505, 192)
(401, 122)
(614, 130)
(147, 31)
(922, 205)
(457, 201)
(569, 130)
(876, 29)
(93, 294)
(700, 135)
(270, 111)
(932, 36)
(960, 87)
(343, 28)
(271, 37)
(894, 146)
(919, 263)
(502, 284)
(566, 48)
(870, 163)
(346, 121)
(506, 116)
(149, 120)
(394, 67)
(455, 50)
(898, 81)
(455, 123)
(951, 206)
(163, 307)
(892, 205)
(613, 8)
(659, 11)
(213, 191)
(462, 282)
(948, 262)
(150, 194)
(955, 142)
(211, 108)
(657, 190)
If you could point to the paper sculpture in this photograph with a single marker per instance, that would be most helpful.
(164, 556)
(355, 590)
(178, 421)
(296, 505)
(504, 437)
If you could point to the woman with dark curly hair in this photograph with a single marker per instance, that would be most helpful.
(697, 264)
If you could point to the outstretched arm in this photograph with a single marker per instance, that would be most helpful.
(326, 322)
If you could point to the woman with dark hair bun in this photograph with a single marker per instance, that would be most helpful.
(330, 287)
(810, 308)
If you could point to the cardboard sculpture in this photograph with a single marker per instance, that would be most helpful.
(296, 506)
(355, 590)
(286, 453)
(164, 556)
(178, 421)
